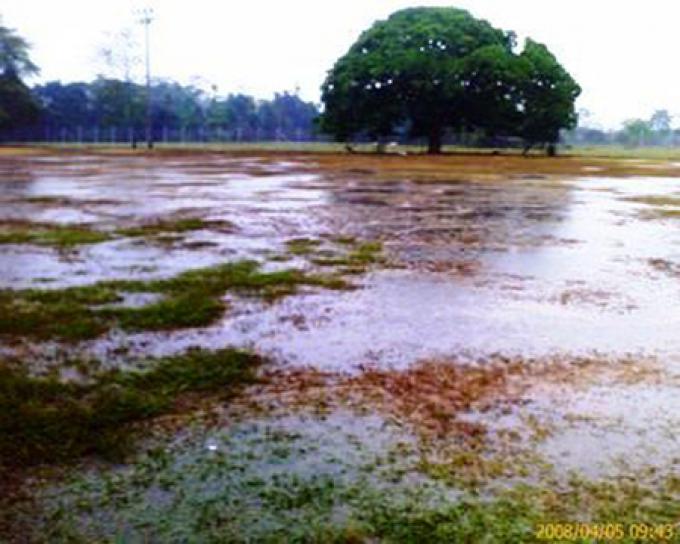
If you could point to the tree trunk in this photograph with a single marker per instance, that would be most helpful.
(434, 141)
(551, 150)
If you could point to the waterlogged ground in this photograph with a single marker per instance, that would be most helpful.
(449, 349)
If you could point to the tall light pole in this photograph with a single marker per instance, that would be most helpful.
(146, 17)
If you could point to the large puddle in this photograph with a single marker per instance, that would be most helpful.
(524, 266)
(530, 268)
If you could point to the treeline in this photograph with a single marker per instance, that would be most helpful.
(114, 110)
(655, 131)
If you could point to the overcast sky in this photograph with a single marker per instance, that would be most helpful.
(623, 53)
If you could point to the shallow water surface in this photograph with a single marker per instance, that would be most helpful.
(526, 267)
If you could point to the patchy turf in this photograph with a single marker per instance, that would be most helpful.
(191, 299)
(347, 254)
(43, 420)
(175, 226)
(266, 481)
(656, 200)
(302, 246)
(50, 235)
(67, 236)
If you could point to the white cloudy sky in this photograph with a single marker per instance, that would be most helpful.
(624, 54)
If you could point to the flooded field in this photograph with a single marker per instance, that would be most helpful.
(430, 350)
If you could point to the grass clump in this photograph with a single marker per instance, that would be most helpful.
(51, 235)
(43, 420)
(656, 200)
(191, 299)
(352, 256)
(170, 226)
(366, 253)
(665, 213)
(658, 206)
(63, 313)
(66, 236)
(302, 246)
(359, 256)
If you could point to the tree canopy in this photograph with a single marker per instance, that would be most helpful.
(17, 105)
(425, 71)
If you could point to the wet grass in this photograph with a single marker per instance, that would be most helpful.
(656, 200)
(43, 420)
(348, 255)
(667, 214)
(659, 206)
(67, 236)
(302, 246)
(457, 163)
(50, 235)
(473, 167)
(191, 299)
(321, 479)
(251, 487)
(174, 226)
(360, 256)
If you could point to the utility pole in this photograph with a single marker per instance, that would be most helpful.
(146, 17)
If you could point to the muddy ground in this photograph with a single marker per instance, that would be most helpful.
(448, 349)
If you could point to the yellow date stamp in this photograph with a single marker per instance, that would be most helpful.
(640, 532)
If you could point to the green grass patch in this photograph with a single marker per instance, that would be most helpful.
(659, 206)
(43, 420)
(170, 226)
(357, 257)
(65, 236)
(191, 299)
(656, 200)
(653, 153)
(366, 253)
(302, 246)
(351, 257)
(51, 235)
(220, 496)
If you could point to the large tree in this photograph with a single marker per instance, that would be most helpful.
(17, 106)
(429, 70)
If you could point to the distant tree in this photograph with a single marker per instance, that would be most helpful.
(117, 103)
(433, 70)
(65, 104)
(14, 57)
(241, 115)
(636, 132)
(186, 104)
(120, 57)
(660, 121)
(17, 105)
(660, 124)
(285, 117)
(588, 136)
